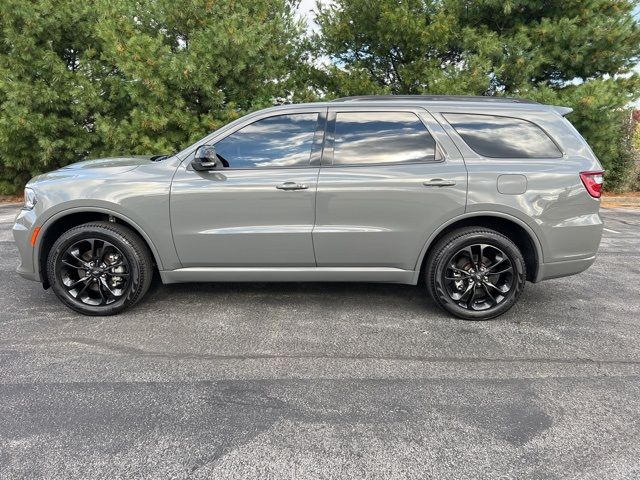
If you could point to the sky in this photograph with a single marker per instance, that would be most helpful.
(306, 10)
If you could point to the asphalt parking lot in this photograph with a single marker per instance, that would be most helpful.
(325, 380)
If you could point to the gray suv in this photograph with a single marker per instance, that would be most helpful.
(469, 197)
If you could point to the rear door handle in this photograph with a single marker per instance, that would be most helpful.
(438, 182)
(292, 186)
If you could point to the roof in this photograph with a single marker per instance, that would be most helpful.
(455, 100)
(434, 98)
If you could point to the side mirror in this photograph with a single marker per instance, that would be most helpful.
(206, 159)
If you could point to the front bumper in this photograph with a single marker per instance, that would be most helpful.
(22, 231)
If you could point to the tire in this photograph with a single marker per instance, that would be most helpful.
(99, 268)
(475, 273)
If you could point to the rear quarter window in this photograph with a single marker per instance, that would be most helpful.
(503, 137)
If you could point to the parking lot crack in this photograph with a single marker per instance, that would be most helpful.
(139, 352)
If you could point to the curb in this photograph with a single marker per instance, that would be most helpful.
(620, 201)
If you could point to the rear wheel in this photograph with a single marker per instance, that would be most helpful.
(475, 273)
(99, 268)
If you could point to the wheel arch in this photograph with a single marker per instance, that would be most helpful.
(512, 227)
(62, 221)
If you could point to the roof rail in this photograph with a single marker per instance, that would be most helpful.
(433, 98)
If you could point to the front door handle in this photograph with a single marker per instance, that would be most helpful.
(438, 182)
(292, 186)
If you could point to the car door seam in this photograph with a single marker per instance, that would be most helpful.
(173, 238)
(315, 193)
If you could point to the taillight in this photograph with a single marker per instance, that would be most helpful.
(593, 182)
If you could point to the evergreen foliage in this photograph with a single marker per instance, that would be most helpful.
(577, 53)
(85, 79)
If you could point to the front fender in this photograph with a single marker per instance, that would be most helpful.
(99, 207)
(139, 197)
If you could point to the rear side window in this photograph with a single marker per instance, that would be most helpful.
(362, 138)
(278, 141)
(503, 137)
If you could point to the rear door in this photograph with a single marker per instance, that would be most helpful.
(389, 178)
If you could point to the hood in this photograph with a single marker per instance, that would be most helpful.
(99, 168)
(121, 163)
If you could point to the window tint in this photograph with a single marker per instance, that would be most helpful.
(280, 141)
(381, 137)
(503, 137)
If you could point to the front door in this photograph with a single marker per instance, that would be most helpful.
(258, 210)
(389, 179)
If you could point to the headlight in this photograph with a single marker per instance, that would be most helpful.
(30, 199)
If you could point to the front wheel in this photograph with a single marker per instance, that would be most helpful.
(475, 273)
(99, 268)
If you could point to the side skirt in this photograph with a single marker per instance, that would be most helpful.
(288, 274)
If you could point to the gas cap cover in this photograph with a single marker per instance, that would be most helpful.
(512, 184)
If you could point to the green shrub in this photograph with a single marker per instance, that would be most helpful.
(84, 79)
(578, 53)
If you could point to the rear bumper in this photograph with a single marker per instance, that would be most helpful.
(547, 271)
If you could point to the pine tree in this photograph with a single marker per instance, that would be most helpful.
(184, 69)
(571, 52)
(85, 79)
(50, 72)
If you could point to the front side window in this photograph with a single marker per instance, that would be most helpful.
(503, 137)
(381, 137)
(279, 141)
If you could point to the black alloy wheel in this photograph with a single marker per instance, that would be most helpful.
(94, 271)
(478, 277)
(99, 268)
(475, 273)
